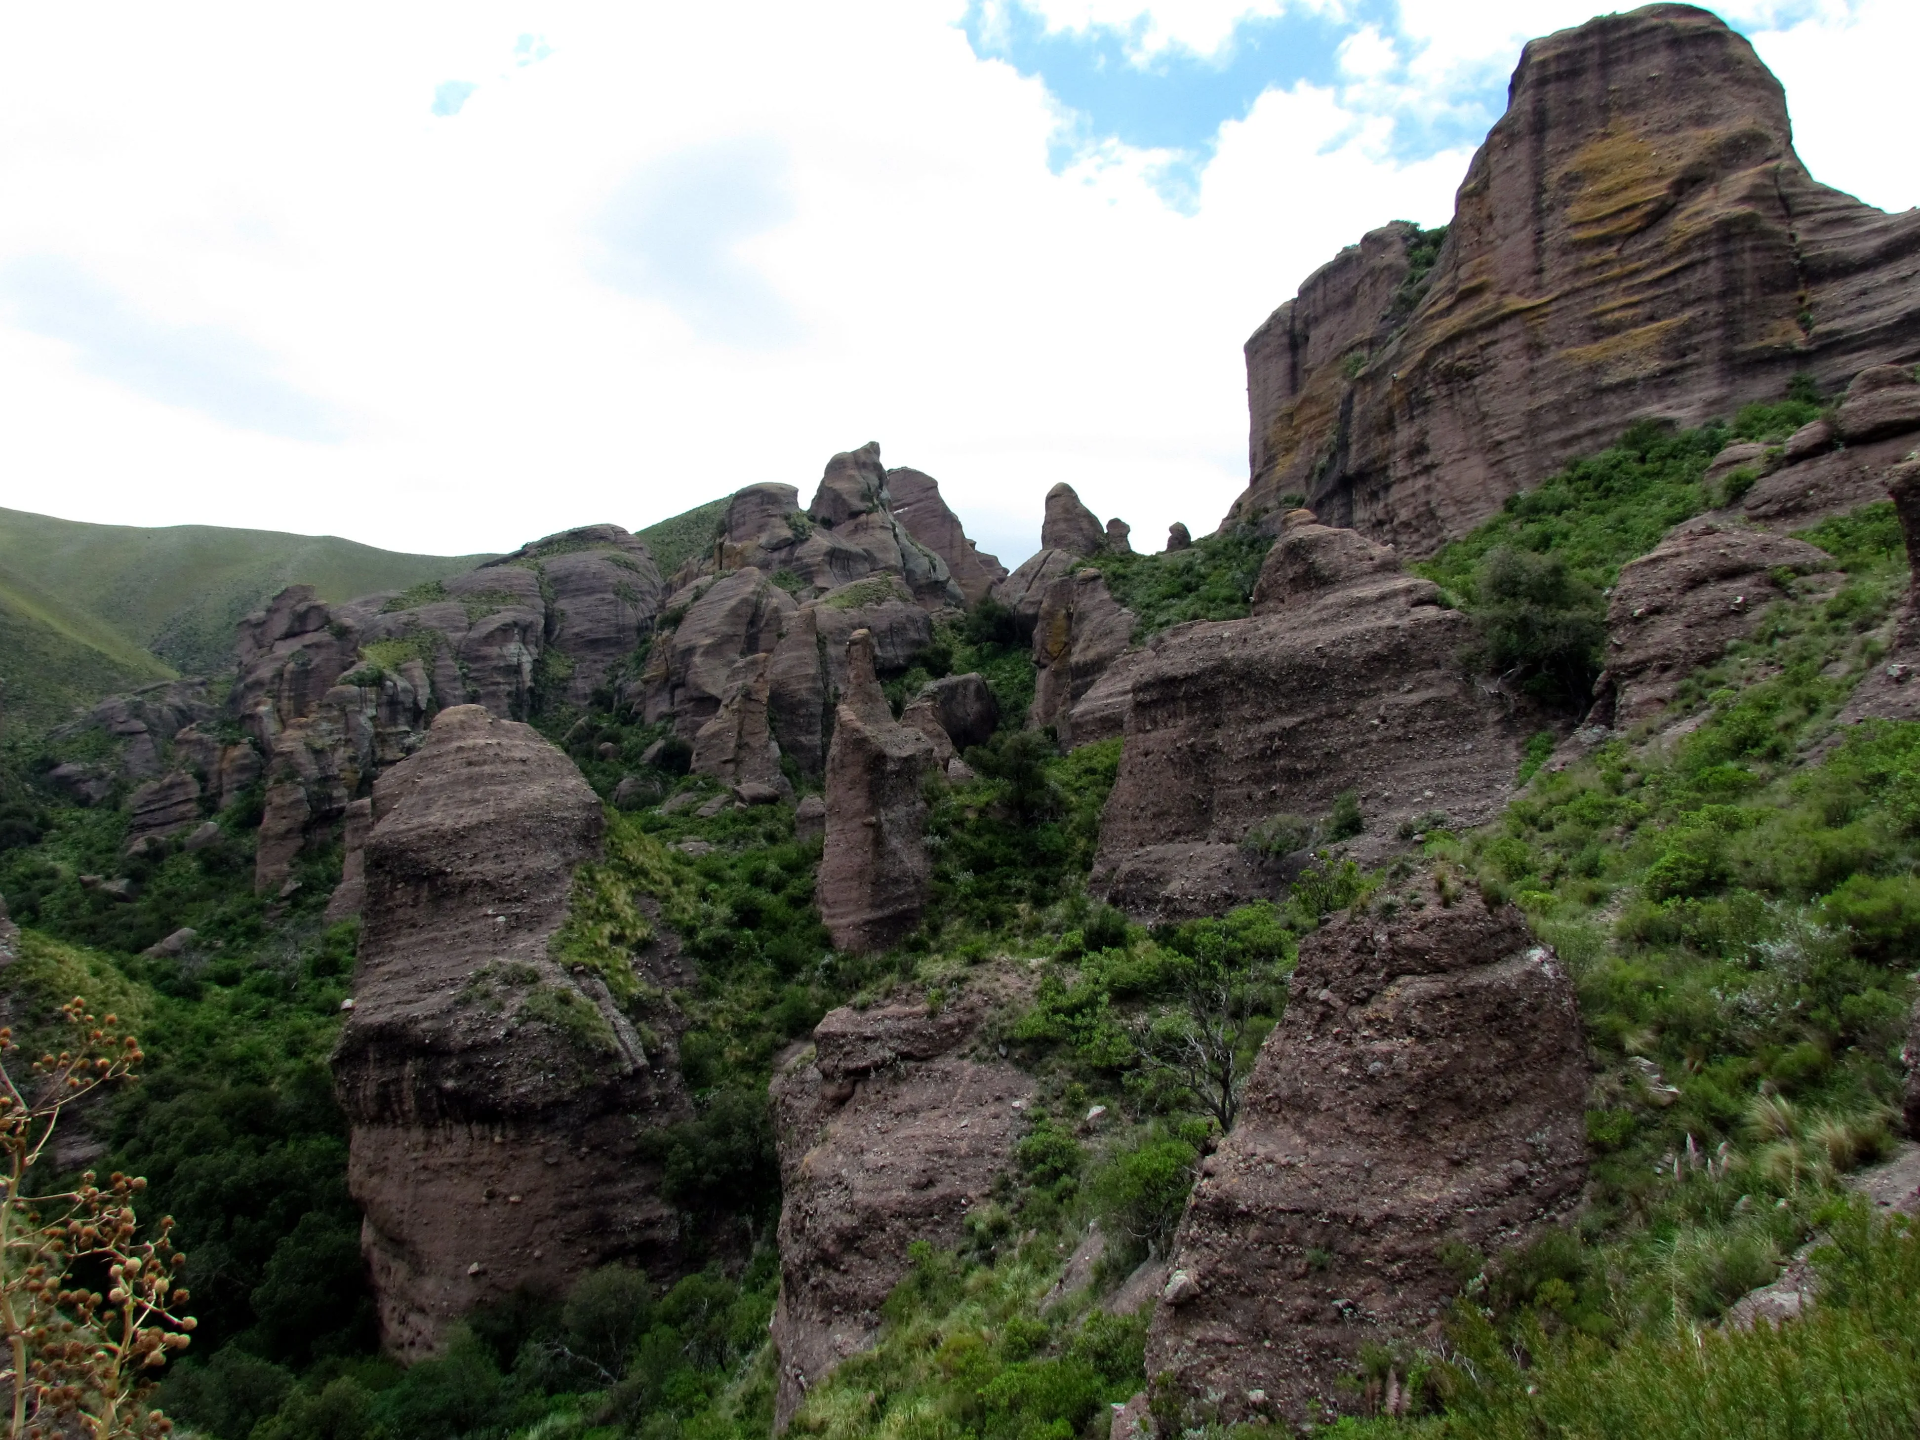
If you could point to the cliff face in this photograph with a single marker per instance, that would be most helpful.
(1636, 237)
(496, 1098)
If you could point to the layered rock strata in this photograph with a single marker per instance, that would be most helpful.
(917, 504)
(1832, 465)
(495, 1098)
(1636, 237)
(874, 871)
(890, 1129)
(1345, 677)
(1080, 631)
(1426, 1088)
(1680, 605)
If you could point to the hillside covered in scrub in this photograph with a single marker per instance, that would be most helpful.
(1435, 956)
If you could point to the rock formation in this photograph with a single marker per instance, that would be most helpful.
(1069, 525)
(918, 506)
(1345, 677)
(1678, 607)
(737, 746)
(960, 707)
(1178, 538)
(719, 621)
(1635, 237)
(349, 897)
(1427, 1085)
(810, 664)
(1817, 474)
(889, 1130)
(162, 807)
(1080, 631)
(1023, 591)
(495, 1097)
(874, 870)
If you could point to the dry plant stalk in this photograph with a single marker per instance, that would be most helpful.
(77, 1360)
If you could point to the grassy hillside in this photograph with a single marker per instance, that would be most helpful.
(177, 590)
(55, 658)
(678, 536)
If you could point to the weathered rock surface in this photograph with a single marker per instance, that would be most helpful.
(856, 534)
(1680, 605)
(1427, 1085)
(960, 706)
(1081, 630)
(1178, 538)
(1891, 690)
(145, 722)
(1883, 400)
(874, 871)
(809, 671)
(888, 1131)
(1345, 677)
(739, 613)
(1635, 237)
(161, 807)
(1070, 525)
(349, 897)
(495, 1098)
(917, 504)
(737, 746)
(1023, 591)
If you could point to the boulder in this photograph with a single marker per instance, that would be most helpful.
(874, 871)
(160, 807)
(1345, 677)
(1741, 455)
(81, 783)
(147, 724)
(1080, 631)
(963, 707)
(497, 1101)
(917, 504)
(1178, 538)
(1069, 525)
(1408, 391)
(1817, 480)
(1426, 1087)
(1678, 607)
(1883, 400)
(173, 945)
(9, 936)
(888, 1133)
(810, 818)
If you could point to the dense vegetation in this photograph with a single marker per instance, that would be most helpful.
(1736, 902)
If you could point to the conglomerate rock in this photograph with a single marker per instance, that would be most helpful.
(496, 1099)
(1426, 1088)
(1346, 677)
(889, 1131)
(1636, 237)
(874, 871)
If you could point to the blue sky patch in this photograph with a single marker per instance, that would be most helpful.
(218, 374)
(672, 232)
(450, 95)
(1176, 99)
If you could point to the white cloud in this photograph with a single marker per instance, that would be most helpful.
(276, 177)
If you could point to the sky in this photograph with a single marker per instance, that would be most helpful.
(448, 277)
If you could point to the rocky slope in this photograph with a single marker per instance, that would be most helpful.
(1426, 1087)
(1344, 678)
(496, 1097)
(891, 1128)
(1636, 237)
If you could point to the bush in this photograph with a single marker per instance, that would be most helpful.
(1140, 1193)
(1539, 624)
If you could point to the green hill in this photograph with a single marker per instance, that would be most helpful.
(178, 590)
(55, 659)
(678, 536)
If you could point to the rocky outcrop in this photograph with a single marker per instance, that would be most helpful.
(874, 870)
(496, 1098)
(1636, 237)
(917, 504)
(1891, 690)
(349, 897)
(959, 707)
(856, 534)
(810, 664)
(1817, 473)
(890, 1129)
(1426, 1087)
(161, 807)
(1023, 591)
(1080, 631)
(719, 621)
(737, 746)
(1178, 538)
(1345, 677)
(1680, 605)
(1070, 525)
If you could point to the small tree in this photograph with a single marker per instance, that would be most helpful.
(75, 1355)
(1196, 1046)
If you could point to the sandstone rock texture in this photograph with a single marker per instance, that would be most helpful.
(1070, 525)
(1835, 465)
(1680, 605)
(1636, 237)
(737, 746)
(1426, 1085)
(162, 807)
(1345, 677)
(889, 1130)
(918, 506)
(874, 870)
(1026, 588)
(1081, 630)
(495, 1099)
